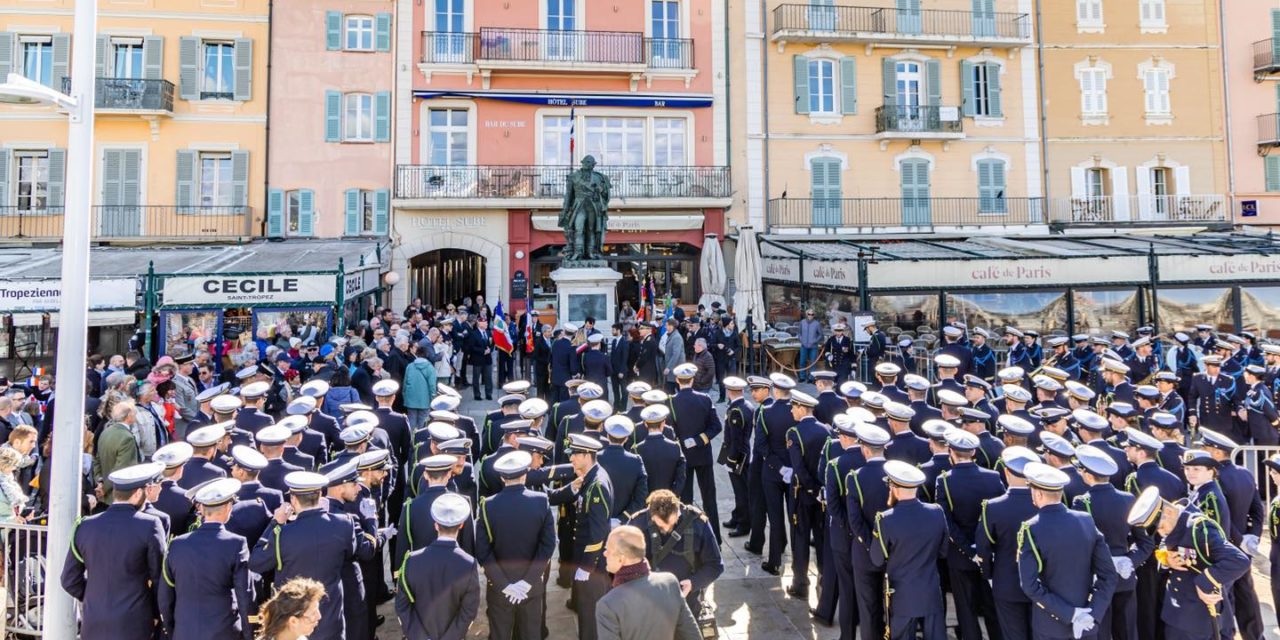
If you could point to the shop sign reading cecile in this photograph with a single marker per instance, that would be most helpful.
(249, 290)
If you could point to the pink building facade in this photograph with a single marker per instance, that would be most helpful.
(1251, 65)
(332, 81)
(499, 100)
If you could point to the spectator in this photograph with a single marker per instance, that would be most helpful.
(340, 392)
(673, 353)
(117, 447)
(148, 423)
(23, 440)
(293, 612)
(810, 339)
(364, 376)
(12, 499)
(420, 385)
(706, 375)
(643, 605)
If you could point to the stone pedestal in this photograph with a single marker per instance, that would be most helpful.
(586, 291)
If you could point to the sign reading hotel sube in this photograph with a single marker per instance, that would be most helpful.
(935, 274)
(245, 290)
(1219, 268)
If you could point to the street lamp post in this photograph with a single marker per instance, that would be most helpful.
(64, 486)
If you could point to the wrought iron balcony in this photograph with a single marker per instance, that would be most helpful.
(142, 223)
(547, 182)
(1268, 131)
(511, 48)
(1266, 57)
(130, 95)
(825, 23)
(919, 122)
(909, 213)
(1139, 210)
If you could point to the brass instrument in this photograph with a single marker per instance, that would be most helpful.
(1047, 361)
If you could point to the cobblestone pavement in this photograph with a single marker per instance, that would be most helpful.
(750, 603)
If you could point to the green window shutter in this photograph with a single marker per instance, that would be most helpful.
(993, 90)
(153, 57)
(382, 32)
(333, 30)
(934, 82)
(381, 211)
(6, 161)
(240, 178)
(57, 178)
(189, 68)
(991, 186)
(889, 77)
(1275, 29)
(968, 105)
(1278, 98)
(306, 212)
(244, 69)
(7, 50)
(185, 196)
(352, 201)
(332, 116)
(801, 66)
(100, 49)
(275, 213)
(61, 59)
(131, 178)
(848, 85)
(382, 116)
(1272, 167)
(112, 177)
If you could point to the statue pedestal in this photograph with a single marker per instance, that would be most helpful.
(587, 291)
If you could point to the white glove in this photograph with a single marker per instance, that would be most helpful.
(581, 576)
(1124, 566)
(689, 443)
(613, 523)
(513, 594)
(1250, 544)
(386, 533)
(786, 473)
(523, 586)
(1081, 622)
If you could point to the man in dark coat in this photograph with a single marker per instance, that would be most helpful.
(564, 362)
(646, 364)
(439, 593)
(479, 349)
(620, 357)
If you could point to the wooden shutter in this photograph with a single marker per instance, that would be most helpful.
(382, 116)
(995, 106)
(934, 82)
(889, 80)
(332, 116)
(381, 211)
(153, 57)
(351, 199)
(800, 65)
(968, 95)
(1271, 167)
(185, 170)
(7, 54)
(112, 177)
(1146, 194)
(244, 69)
(6, 161)
(57, 178)
(306, 212)
(333, 30)
(848, 85)
(189, 68)
(240, 178)
(1182, 180)
(275, 213)
(991, 186)
(382, 32)
(1120, 193)
(61, 59)
(101, 49)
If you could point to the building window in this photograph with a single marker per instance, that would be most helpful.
(982, 77)
(1155, 84)
(616, 141)
(219, 71)
(293, 212)
(669, 142)
(1093, 91)
(126, 58)
(215, 180)
(448, 132)
(365, 211)
(1151, 15)
(555, 140)
(1161, 189)
(1096, 183)
(991, 186)
(1271, 172)
(357, 117)
(822, 90)
(32, 173)
(1089, 15)
(359, 33)
(37, 58)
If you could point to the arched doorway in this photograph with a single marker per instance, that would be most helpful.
(446, 276)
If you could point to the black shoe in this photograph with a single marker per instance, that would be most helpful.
(477, 398)
(771, 569)
(800, 592)
(487, 398)
(817, 617)
(571, 605)
(381, 619)
(730, 524)
(738, 533)
(753, 551)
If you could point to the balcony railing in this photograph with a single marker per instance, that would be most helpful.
(132, 222)
(130, 94)
(1269, 130)
(921, 121)
(548, 181)
(818, 22)
(1266, 56)
(800, 213)
(1140, 209)
(509, 47)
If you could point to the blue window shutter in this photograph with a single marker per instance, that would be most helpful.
(352, 201)
(131, 177)
(240, 178)
(801, 66)
(57, 177)
(934, 82)
(382, 116)
(993, 90)
(848, 85)
(61, 59)
(306, 212)
(244, 69)
(100, 56)
(7, 50)
(185, 196)
(381, 211)
(275, 213)
(333, 116)
(382, 32)
(333, 30)
(6, 161)
(153, 57)
(189, 68)
(112, 177)
(1271, 164)
(968, 105)
(889, 68)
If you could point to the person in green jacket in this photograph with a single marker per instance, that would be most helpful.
(117, 447)
(420, 384)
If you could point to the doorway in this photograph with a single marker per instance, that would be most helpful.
(446, 276)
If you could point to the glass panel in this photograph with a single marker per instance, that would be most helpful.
(1105, 310)
(1182, 309)
(907, 312)
(183, 329)
(1043, 311)
(293, 212)
(555, 140)
(366, 211)
(783, 303)
(128, 60)
(215, 181)
(37, 62)
(1260, 307)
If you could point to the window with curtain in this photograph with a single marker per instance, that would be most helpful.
(31, 169)
(366, 211)
(126, 58)
(357, 117)
(447, 131)
(37, 58)
(219, 70)
(215, 180)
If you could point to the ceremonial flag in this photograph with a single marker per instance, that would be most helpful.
(642, 312)
(528, 326)
(501, 339)
(666, 315)
(572, 122)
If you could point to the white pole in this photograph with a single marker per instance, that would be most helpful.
(64, 490)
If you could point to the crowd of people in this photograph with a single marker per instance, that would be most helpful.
(1071, 487)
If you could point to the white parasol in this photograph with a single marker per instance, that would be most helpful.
(713, 275)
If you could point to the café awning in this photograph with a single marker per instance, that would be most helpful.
(629, 99)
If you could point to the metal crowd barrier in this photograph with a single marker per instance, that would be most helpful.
(1250, 457)
(24, 547)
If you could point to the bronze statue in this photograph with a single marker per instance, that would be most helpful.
(585, 214)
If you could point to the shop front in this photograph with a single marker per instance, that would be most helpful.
(448, 256)
(30, 319)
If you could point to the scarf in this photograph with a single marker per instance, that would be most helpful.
(631, 572)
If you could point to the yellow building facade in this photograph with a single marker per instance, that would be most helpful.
(181, 119)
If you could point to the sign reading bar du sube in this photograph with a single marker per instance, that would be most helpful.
(244, 290)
